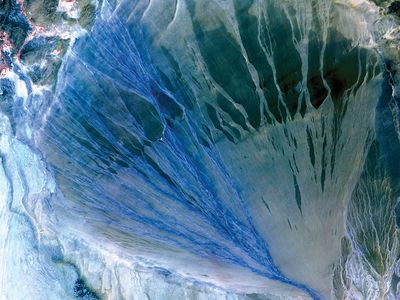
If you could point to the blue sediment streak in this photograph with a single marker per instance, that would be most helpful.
(131, 158)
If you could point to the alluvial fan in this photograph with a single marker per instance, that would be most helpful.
(199, 149)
